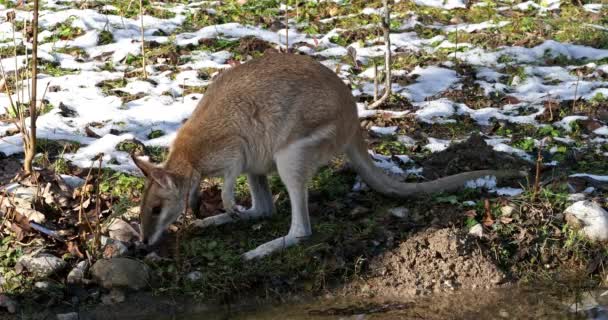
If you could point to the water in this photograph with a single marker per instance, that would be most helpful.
(511, 303)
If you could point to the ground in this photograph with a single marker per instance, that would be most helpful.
(524, 84)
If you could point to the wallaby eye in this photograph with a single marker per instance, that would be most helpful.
(156, 211)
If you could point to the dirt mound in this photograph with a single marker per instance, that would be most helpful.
(472, 154)
(434, 260)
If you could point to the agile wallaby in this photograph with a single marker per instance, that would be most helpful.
(280, 111)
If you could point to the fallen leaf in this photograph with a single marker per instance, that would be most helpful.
(505, 219)
(73, 249)
(470, 213)
(487, 218)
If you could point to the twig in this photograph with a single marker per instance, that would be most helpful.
(578, 78)
(98, 206)
(286, 27)
(539, 162)
(375, 81)
(386, 24)
(143, 44)
(30, 143)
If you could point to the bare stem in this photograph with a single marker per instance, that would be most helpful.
(30, 147)
(375, 81)
(386, 24)
(143, 44)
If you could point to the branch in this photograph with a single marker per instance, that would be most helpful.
(386, 26)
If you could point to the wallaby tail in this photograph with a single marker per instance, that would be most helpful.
(381, 182)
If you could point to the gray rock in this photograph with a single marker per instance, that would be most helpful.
(72, 181)
(113, 248)
(121, 273)
(194, 276)
(399, 212)
(68, 316)
(591, 216)
(41, 264)
(76, 275)
(43, 285)
(115, 296)
(122, 231)
(32, 215)
(7, 303)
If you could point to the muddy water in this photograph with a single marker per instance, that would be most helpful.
(519, 303)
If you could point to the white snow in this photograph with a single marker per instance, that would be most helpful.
(444, 4)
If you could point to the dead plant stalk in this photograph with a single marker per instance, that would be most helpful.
(386, 24)
(143, 43)
(29, 141)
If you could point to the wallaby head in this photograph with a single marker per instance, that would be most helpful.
(164, 199)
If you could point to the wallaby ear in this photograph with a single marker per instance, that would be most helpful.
(162, 178)
(143, 165)
(155, 173)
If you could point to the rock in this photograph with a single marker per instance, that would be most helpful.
(508, 210)
(21, 196)
(194, 276)
(115, 296)
(76, 275)
(359, 211)
(7, 303)
(122, 231)
(121, 272)
(113, 248)
(576, 197)
(399, 212)
(592, 217)
(476, 230)
(154, 257)
(42, 285)
(72, 181)
(41, 264)
(68, 316)
(32, 215)
(132, 213)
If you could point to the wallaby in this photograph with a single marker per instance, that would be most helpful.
(282, 111)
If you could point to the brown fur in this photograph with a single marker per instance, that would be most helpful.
(281, 110)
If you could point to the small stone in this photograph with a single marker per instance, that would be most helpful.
(576, 197)
(121, 272)
(72, 181)
(593, 218)
(359, 211)
(194, 276)
(399, 212)
(122, 231)
(43, 285)
(7, 303)
(32, 215)
(507, 210)
(113, 248)
(42, 264)
(476, 230)
(68, 316)
(115, 296)
(76, 275)
(131, 213)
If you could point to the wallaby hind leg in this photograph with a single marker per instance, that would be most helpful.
(296, 166)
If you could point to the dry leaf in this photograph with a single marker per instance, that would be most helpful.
(487, 218)
(471, 213)
(505, 219)
(73, 249)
